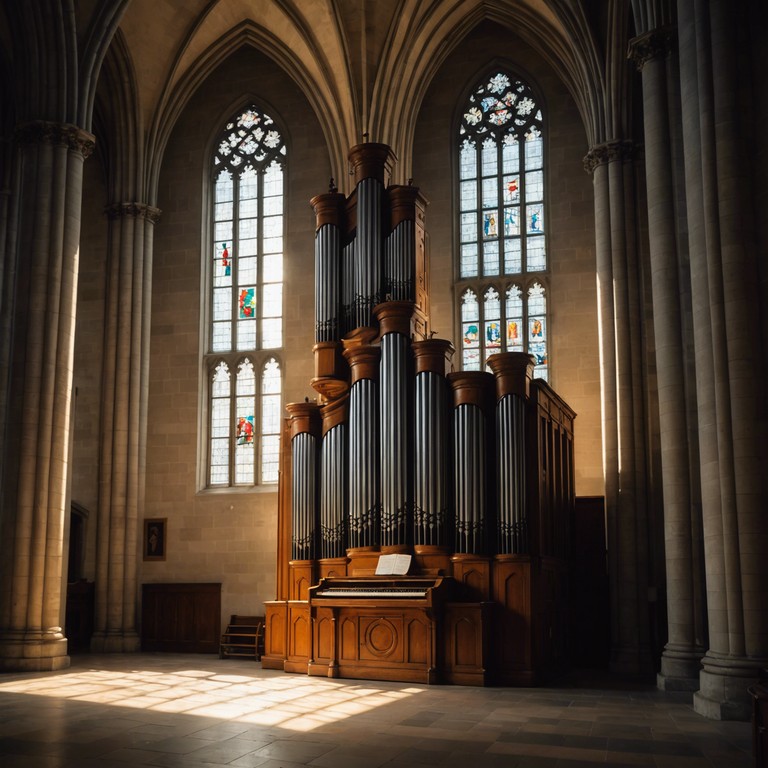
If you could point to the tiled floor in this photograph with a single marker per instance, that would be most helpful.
(199, 711)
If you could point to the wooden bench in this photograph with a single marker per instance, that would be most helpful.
(244, 636)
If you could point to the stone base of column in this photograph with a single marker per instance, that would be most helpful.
(115, 642)
(33, 652)
(680, 667)
(723, 685)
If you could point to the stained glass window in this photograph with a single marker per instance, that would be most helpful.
(245, 300)
(502, 223)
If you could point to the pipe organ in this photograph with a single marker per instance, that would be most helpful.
(470, 474)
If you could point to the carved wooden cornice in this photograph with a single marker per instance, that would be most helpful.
(139, 210)
(64, 134)
(609, 152)
(656, 44)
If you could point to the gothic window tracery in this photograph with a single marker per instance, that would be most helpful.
(502, 248)
(245, 317)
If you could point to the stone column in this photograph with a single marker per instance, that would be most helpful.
(125, 382)
(36, 460)
(730, 366)
(622, 402)
(680, 662)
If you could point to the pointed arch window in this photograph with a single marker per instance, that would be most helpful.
(245, 301)
(501, 228)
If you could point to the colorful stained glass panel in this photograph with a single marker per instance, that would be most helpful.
(511, 221)
(244, 430)
(534, 218)
(493, 334)
(511, 186)
(247, 303)
(471, 334)
(491, 224)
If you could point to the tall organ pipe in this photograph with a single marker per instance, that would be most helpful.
(395, 409)
(332, 499)
(513, 372)
(364, 479)
(305, 426)
(327, 284)
(368, 240)
(329, 217)
(303, 538)
(431, 498)
(372, 163)
(472, 393)
(512, 520)
(333, 479)
(399, 262)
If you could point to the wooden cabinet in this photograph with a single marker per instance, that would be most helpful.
(181, 618)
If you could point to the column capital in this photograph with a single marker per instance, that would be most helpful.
(609, 152)
(65, 134)
(142, 210)
(658, 43)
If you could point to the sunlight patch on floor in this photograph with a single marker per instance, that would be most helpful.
(293, 702)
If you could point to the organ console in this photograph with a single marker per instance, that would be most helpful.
(469, 472)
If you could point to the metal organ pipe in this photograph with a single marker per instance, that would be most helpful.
(348, 273)
(333, 492)
(399, 262)
(432, 440)
(512, 527)
(368, 241)
(472, 393)
(431, 443)
(327, 283)
(513, 372)
(395, 413)
(364, 478)
(304, 452)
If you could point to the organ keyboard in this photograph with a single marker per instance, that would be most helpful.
(422, 590)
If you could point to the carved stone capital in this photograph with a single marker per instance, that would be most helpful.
(609, 152)
(63, 134)
(658, 43)
(139, 210)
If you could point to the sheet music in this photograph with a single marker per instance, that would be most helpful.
(393, 565)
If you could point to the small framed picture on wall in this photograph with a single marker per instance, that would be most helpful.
(154, 538)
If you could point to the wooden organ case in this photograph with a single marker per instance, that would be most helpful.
(471, 473)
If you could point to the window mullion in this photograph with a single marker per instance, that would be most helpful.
(258, 283)
(235, 266)
(257, 425)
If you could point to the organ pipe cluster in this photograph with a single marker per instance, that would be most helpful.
(398, 452)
